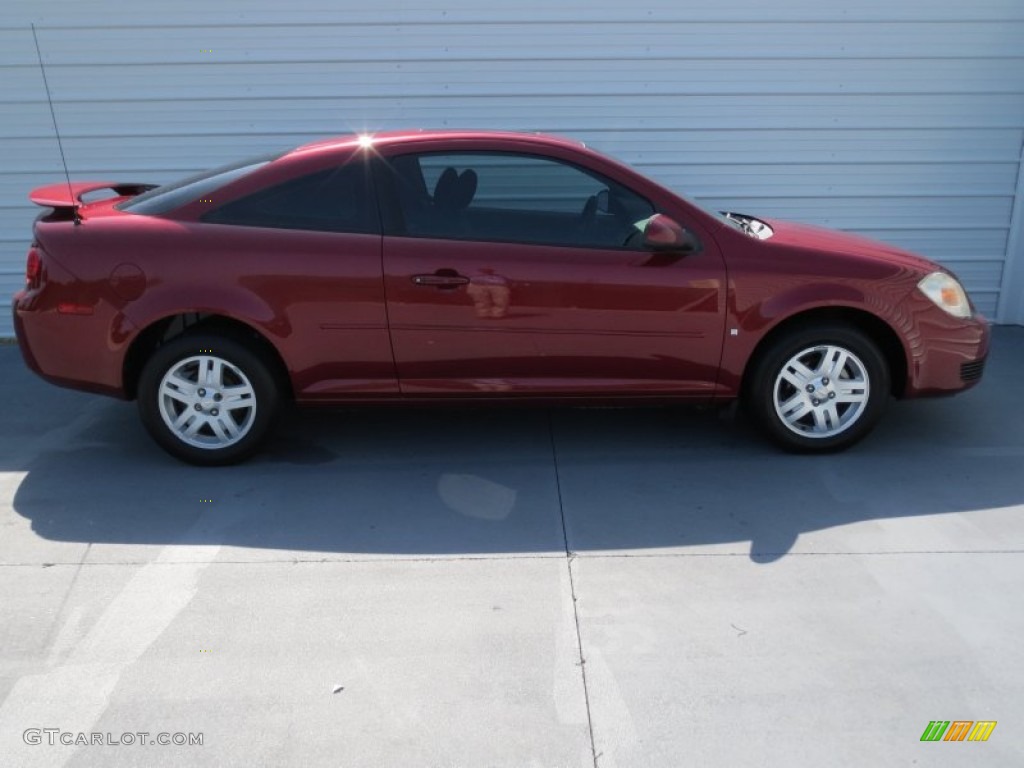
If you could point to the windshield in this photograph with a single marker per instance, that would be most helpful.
(670, 182)
(170, 196)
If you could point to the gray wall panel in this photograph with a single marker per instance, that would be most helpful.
(902, 121)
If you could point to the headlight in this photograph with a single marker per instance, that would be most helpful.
(947, 294)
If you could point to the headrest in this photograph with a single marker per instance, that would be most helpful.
(466, 189)
(446, 191)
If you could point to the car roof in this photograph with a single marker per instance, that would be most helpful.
(417, 136)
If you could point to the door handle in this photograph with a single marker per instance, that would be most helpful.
(452, 280)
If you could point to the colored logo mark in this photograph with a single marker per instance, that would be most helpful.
(958, 730)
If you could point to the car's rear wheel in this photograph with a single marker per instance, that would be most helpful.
(207, 399)
(819, 389)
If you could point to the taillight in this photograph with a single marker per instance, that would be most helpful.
(33, 268)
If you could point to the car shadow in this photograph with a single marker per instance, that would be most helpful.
(517, 481)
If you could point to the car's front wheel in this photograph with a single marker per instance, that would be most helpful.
(207, 399)
(819, 389)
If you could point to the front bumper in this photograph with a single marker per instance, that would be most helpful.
(946, 355)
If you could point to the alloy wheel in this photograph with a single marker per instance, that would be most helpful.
(821, 391)
(207, 402)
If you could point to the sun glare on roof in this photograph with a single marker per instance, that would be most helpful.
(365, 140)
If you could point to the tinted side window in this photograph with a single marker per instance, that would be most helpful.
(334, 200)
(513, 198)
(518, 182)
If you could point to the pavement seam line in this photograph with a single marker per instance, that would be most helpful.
(584, 555)
(55, 624)
(289, 561)
(569, 557)
(895, 552)
(473, 558)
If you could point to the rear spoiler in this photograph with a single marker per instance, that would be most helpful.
(65, 195)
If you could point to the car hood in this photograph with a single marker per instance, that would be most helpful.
(787, 233)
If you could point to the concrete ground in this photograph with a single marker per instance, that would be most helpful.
(514, 588)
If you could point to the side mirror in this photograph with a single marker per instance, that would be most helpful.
(663, 233)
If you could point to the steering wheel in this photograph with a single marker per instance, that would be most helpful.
(588, 217)
(634, 238)
(621, 214)
(589, 213)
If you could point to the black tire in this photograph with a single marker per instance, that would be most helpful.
(244, 366)
(764, 387)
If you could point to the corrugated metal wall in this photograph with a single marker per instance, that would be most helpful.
(903, 121)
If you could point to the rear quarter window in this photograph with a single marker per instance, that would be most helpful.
(176, 194)
(331, 200)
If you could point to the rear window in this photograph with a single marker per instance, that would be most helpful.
(170, 196)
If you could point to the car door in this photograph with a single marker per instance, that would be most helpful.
(518, 273)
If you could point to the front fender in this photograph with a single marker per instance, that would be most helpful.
(749, 326)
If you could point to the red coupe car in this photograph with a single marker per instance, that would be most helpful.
(452, 266)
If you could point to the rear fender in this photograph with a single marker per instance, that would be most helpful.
(243, 307)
